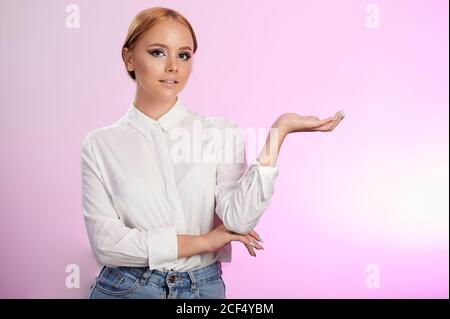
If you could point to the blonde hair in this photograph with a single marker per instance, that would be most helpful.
(145, 20)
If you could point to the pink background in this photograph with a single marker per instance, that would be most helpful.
(374, 191)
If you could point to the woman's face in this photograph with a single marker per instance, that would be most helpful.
(163, 53)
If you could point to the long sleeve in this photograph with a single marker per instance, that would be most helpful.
(112, 242)
(243, 192)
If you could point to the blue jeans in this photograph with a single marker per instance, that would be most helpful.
(145, 283)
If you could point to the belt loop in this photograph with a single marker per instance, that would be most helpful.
(193, 282)
(144, 277)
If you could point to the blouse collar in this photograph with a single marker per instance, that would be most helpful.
(167, 121)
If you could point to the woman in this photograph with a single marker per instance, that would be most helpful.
(161, 223)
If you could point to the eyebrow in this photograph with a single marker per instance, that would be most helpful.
(165, 46)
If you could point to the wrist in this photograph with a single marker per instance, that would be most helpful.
(281, 129)
(202, 243)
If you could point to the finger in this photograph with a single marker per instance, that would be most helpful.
(321, 124)
(251, 251)
(328, 120)
(254, 243)
(336, 123)
(255, 235)
(325, 128)
(248, 241)
(314, 124)
(329, 123)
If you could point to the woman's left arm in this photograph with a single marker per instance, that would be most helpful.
(244, 192)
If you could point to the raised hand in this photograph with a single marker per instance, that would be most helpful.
(288, 123)
(292, 122)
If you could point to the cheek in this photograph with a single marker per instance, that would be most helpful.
(149, 67)
(186, 71)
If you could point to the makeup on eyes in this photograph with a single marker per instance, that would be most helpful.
(188, 56)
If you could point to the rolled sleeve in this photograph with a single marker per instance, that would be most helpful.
(266, 177)
(163, 245)
(243, 192)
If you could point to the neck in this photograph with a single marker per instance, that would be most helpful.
(151, 105)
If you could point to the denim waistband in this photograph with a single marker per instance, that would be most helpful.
(174, 278)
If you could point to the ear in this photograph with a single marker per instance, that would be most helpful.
(127, 57)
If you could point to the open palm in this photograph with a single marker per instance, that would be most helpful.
(292, 122)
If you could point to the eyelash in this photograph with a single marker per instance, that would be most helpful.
(187, 54)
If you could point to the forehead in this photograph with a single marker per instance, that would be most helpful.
(169, 32)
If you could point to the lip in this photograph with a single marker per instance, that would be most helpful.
(168, 85)
(168, 80)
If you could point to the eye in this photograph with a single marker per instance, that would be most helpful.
(155, 51)
(188, 56)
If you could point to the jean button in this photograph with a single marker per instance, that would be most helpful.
(172, 278)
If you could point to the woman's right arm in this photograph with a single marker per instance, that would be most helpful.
(189, 245)
(112, 242)
(115, 244)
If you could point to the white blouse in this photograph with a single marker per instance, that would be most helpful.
(138, 193)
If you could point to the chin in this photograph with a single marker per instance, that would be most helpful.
(168, 94)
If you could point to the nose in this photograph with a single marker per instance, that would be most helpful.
(172, 65)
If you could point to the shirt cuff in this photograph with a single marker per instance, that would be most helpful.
(162, 246)
(266, 177)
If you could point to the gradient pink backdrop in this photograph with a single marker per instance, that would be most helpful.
(374, 191)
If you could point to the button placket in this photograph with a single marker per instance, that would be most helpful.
(171, 190)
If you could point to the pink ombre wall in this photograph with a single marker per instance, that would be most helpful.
(372, 192)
